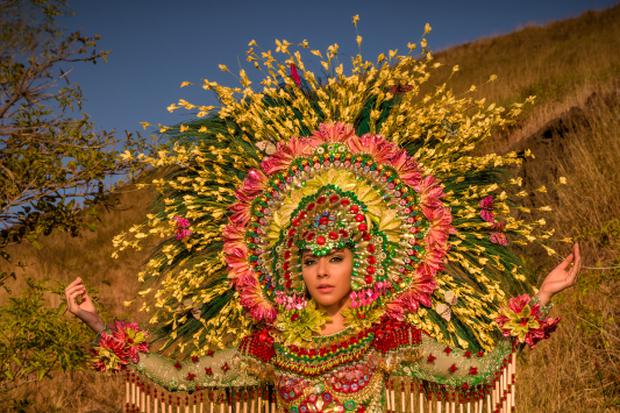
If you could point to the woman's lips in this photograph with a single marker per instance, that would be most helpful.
(325, 288)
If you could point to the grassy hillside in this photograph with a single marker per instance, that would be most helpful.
(573, 67)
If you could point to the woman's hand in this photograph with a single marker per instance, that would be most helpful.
(561, 277)
(80, 304)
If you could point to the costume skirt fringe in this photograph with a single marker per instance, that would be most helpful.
(403, 395)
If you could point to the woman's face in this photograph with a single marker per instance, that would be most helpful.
(328, 278)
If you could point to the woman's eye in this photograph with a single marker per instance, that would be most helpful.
(337, 259)
(308, 262)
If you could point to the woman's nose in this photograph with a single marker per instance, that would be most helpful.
(322, 268)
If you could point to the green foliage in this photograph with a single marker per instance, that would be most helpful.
(54, 163)
(36, 339)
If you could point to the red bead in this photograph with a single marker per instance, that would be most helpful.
(355, 209)
(323, 220)
(310, 236)
(368, 279)
(359, 217)
(345, 202)
(371, 260)
(321, 200)
(370, 270)
(333, 198)
(320, 240)
(362, 227)
(371, 248)
(332, 235)
(366, 236)
(310, 206)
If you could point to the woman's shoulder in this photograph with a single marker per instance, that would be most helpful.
(259, 344)
(391, 334)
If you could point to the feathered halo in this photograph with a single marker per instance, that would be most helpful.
(442, 218)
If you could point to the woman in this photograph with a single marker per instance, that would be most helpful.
(345, 237)
(328, 281)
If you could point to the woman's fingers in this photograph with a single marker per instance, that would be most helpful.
(72, 302)
(77, 288)
(75, 282)
(567, 261)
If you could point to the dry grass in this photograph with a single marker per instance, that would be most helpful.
(577, 371)
(567, 64)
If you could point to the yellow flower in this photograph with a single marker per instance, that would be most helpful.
(550, 251)
(427, 28)
(185, 83)
(126, 156)
(183, 128)
(282, 46)
(493, 78)
(356, 19)
(563, 180)
(252, 43)
(172, 107)
(223, 68)
(145, 124)
(358, 40)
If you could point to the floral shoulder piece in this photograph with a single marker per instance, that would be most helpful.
(525, 320)
(118, 346)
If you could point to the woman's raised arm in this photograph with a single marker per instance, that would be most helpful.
(561, 277)
(80, 304)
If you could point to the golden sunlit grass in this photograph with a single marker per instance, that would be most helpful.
(577, 371)
(569, 64)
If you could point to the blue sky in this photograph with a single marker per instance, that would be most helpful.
(157, 44)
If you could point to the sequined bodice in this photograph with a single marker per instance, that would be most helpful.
(345, 372)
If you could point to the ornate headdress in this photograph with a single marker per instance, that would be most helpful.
(378, 161)
(333, 190)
